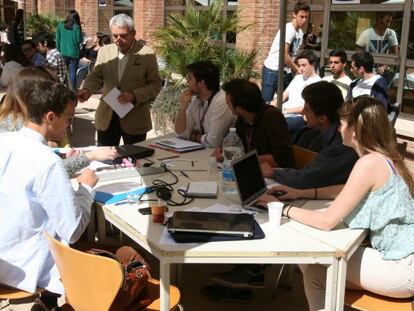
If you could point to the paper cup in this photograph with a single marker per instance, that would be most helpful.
(275, 213)
(158, 209)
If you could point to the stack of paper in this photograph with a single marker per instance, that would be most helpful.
(178, 144)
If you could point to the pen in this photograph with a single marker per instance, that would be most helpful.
(170, 157)
(121, 202)
(185, 174)
(192, 163)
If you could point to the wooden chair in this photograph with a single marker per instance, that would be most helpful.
(154, 294)
(10, 295)
(91, 282)
(302, 156)
(366, 301)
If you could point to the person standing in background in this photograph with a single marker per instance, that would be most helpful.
(293, 41)
(68, 42)
(15, 31)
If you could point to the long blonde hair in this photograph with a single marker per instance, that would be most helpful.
(374, 132)
(10, 103)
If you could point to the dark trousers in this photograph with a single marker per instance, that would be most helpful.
(72, 64)
(113, 134)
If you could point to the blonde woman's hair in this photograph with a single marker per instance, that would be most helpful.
(11, 104)
(374, 132)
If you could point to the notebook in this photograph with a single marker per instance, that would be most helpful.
(202, 189)
(178, 144)
(212, 223)
(249, 180)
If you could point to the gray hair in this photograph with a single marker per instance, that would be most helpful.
(122, 21)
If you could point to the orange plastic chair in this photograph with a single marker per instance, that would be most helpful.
(302, 156)
(91, 282)
(16, 296)
(367, 301)
(154, 294)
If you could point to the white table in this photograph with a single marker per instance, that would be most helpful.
(291, 243)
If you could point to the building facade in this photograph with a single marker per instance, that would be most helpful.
(337, 23)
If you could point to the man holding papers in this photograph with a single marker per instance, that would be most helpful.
(203, 116)
(131, 67)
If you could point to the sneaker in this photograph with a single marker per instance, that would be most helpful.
(241, 276)
(226, 294)
(38, 305)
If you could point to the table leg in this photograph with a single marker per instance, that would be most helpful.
(340, 295)
(331, 285)
(165, 286)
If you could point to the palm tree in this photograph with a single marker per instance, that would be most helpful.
(197, 35)
(201, 35)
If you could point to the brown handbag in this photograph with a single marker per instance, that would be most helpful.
(133, 294)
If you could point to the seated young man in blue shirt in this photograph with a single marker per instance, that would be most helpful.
(334, 161)
(36, 194)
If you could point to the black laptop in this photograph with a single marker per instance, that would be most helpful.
(212, 223)
(134, 151)
(249, 180)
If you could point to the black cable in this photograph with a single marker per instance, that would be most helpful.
(163, 191)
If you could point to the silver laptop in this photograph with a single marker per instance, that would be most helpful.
(212, 223)
(249, 180)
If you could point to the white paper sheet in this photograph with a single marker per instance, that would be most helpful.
(112, 100)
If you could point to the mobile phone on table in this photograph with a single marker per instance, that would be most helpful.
(145, 210)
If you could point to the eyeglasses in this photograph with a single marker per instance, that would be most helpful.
(71, 117)
(27, 50)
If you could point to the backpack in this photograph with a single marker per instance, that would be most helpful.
(133, 294)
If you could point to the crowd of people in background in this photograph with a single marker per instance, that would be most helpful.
(343, 120)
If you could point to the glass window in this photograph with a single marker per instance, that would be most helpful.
(408, 93)
(410, 50)
(123, 3)
(369, 31)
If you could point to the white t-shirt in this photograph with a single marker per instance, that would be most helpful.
(293, 38)
(343, 83)
(363, 87)
(295, 89)
(374, 43)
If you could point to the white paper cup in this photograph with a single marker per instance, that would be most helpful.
(275, 213)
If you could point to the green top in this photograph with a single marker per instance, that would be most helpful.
(388, 213)
(68, 41)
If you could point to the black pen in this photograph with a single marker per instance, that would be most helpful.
(185, 174)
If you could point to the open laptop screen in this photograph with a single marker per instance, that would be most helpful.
(249, 177)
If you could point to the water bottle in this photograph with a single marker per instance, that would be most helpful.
(232, 149)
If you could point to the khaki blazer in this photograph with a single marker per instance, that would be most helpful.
(141, 76)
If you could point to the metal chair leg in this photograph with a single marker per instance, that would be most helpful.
(277, 281)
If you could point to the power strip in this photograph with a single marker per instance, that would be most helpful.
(119, 173)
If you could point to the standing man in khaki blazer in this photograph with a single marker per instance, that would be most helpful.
(132, 67)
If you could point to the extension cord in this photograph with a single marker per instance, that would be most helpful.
(119, 173)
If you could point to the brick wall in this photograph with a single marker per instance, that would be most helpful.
(148, 16)
(264, 14)
(87, 10)
(46, 6)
